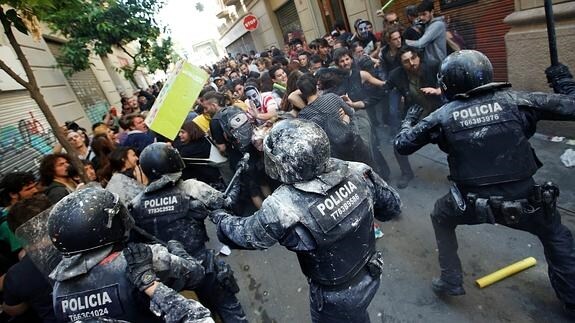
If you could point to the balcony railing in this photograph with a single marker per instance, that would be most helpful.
(231, 2)
(224, 14)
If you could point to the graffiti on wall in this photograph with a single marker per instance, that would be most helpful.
(23, 144)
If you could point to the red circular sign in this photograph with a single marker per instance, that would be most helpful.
(251, 22)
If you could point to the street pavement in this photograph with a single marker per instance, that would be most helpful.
(274, 290)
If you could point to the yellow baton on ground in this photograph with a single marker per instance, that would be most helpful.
(506, 272)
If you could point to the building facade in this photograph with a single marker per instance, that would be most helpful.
(83, 97)
(512, 33)
(277, 18)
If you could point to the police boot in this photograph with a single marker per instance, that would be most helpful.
(404, 180)
(442, 287)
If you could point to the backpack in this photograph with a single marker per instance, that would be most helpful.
(237, 126)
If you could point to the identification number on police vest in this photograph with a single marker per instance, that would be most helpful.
(163, 204)
(103, 301)
(337, 205)
(477, 115)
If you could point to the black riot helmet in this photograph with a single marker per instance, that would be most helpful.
(463, 71)
(88, 219)
(160, 158)
(295, 150)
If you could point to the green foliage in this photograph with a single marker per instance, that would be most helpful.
(162, 54)
(102, 25)
(25, 17)
(39, 6)
(96, 26)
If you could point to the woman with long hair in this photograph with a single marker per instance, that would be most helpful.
(125, 175)
(291, 86)
(55, 177)
(192, 143)
(102, 146)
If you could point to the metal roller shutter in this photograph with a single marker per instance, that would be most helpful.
(288, 18)
(25, 136)
(480, 23)
(87, 89)
(242, 45)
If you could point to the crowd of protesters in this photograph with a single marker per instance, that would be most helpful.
(354, 84)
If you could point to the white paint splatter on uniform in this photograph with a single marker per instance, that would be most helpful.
(479, 134)
(203, 192)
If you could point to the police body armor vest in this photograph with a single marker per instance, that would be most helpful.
(103, 292)
(166, 214)
(341, 224)
(486, 141)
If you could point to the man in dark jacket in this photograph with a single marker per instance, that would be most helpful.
(416, 81)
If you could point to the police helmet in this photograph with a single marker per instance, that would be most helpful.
(88, 219)
(160, 158)
(295, 150)
(464, 71)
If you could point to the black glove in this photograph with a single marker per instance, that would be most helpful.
(233, 195)
(217, 215)
(225, 277)
(198, 210)
(176, 248)
(243, 163)
(139, 265)
(557, 73)
(413, 114)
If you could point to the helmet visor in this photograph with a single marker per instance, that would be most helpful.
(34, 236)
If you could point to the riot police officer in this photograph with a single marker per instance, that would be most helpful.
(174, 307)
(89, 227)
(172, 209)
(484, 129)
(324, 211)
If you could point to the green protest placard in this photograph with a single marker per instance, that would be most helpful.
(176, 99)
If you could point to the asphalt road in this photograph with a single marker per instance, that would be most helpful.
(274, 290)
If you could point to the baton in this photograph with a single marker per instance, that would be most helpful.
(386, 5)
(549, 19)
(238, 172)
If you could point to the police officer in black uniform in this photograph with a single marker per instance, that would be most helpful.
(324, 211)
(174, 307)
(484, 129)
(89, 227)
(172, 209)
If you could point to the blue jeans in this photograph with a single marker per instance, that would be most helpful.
(348, 305)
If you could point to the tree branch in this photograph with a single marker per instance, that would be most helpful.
(13, 75)
(36, 94)
(127, 52)
(19, 53)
